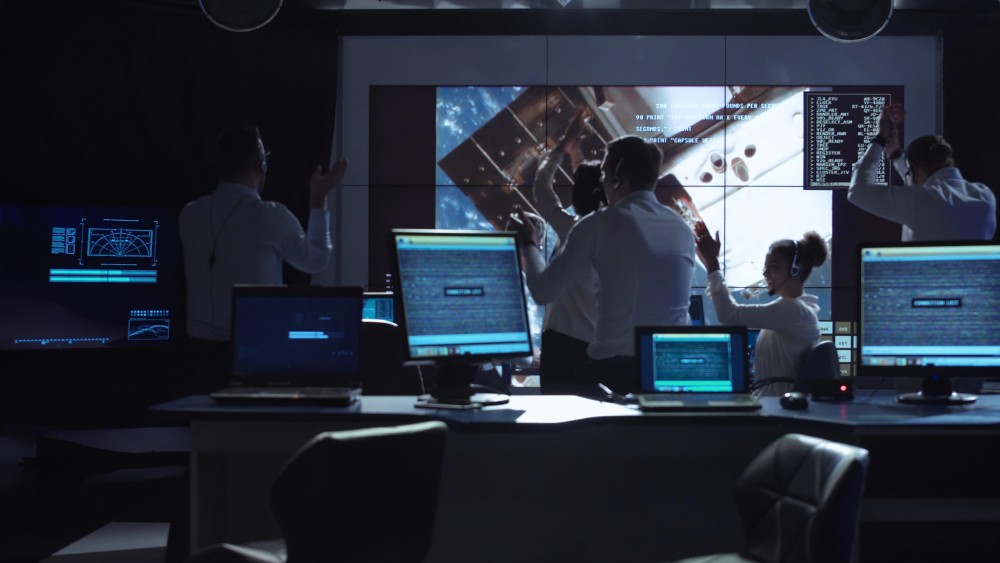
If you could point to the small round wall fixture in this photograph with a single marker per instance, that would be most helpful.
(240, 15)
(850, 21)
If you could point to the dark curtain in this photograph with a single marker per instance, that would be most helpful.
(119, 102)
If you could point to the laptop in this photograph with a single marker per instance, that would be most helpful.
(294, 345)
(693, 368)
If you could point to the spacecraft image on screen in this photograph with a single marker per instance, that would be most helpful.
(757, 163)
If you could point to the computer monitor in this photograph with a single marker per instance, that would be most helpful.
(462, 304)
(929, 310)
(378, 305)
(78, 277)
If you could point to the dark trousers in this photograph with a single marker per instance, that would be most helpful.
(618, 373)
(560, 362)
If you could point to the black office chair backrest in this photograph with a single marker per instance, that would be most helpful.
(367, 495)
(800, 500)
(383, 353)
(821, 362)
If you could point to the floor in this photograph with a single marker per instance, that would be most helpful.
(118, 542)
(90, 495)
(108, 495)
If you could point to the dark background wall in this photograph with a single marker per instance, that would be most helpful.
(117, 102)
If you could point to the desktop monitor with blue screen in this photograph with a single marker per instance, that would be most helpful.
(462, 304)
(931, 311)
(378, 305)
(78, 277)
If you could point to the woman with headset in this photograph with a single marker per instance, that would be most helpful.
(790, 324)
(570, 319)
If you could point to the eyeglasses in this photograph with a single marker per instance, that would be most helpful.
(263, 161)
(266, 153)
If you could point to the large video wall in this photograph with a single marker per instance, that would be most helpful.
(761, 132)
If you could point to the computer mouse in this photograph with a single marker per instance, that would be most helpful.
(794, 400)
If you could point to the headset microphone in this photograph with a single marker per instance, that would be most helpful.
(771, 292)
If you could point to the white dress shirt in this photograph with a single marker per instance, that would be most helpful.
(789, 329)
(249, 239)
(643, 254)
(945, 207)
(572, 312)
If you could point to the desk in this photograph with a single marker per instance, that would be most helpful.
(564, 478)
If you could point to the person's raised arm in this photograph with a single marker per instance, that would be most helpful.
(545, 282)
(881, 199)
(320, 184)
(888, 128)
(548, 203)
(708, 248)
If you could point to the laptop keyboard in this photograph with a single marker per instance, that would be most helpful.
(288, 395)
(700, 400)
(265, 392)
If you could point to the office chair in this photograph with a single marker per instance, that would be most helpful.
(367, 495)
(799, 500)
(820, 363)
(383, 352)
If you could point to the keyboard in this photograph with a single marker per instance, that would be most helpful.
(697, 401)
(325, 395)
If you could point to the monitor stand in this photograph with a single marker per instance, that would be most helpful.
(936, 390)
(455, 388)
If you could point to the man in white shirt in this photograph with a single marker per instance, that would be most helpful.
(642, 251)
(937, 204)
(234, 237)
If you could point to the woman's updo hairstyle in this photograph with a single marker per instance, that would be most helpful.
(808, 252)
(930, 153)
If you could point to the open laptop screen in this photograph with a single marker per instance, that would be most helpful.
(296, 335)
(676, 359)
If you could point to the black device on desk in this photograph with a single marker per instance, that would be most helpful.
(462, 304)
(839, 389)
(794, 400)
(929, 310)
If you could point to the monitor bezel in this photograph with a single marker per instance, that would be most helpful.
(401, 312)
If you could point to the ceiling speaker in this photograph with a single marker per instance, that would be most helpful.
(850, 20)
(240, 15)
